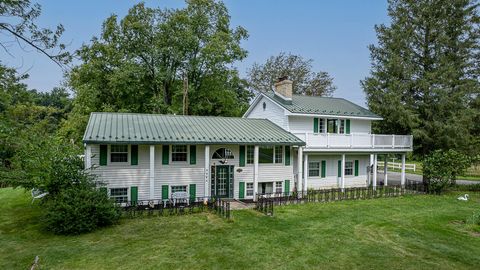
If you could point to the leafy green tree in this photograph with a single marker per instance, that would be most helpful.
(441, 168)
(18, 27)
(425, 73)
(262, 77)
(145, 61)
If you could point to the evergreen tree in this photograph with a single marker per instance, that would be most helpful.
(425, 73)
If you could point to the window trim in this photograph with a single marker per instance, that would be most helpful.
(118, 196)
(109, 155)
(247, 189)
(352, 168)
(179, 161)
(315, 169)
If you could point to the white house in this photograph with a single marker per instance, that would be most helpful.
(151, 156)
(283, 143)
(337, 134)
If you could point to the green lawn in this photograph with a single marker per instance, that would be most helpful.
(415, 232)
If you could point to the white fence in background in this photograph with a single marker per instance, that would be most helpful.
(395, 165)
(356, 140)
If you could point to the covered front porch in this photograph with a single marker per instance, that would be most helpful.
(343, 169)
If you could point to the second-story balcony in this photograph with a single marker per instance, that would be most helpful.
(354, 141)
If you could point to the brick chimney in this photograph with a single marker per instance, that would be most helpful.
(283, 88)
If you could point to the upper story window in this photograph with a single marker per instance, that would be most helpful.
(332, 125)
(342, 126)
(321, 125)
(250, 154)
(119, 153)
(179, 153)
(270, 154)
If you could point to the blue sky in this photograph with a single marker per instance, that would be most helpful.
(335, 34)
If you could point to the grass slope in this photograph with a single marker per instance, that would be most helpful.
(422, 232)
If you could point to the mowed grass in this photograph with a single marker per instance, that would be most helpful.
(414, 232)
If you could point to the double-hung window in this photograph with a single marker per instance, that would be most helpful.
(278, 154)
(120, 195)
(314, 169)
(249, 189)
(278, 187)
(348, 167)
(321, 125)
(179, 153)
(250, 154)
(119, 153)
(179, 189)
(332, 125)
(342, 126)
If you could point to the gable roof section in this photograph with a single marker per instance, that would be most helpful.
(325, 106)
(135, 128)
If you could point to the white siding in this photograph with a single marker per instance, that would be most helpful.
(181, 173)
(332, 180)
(272, 112)
(305, 124)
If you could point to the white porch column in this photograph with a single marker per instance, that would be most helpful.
(305, 173)
(88, 156)
(343, 172)
(385, 171)
(402, 177)
(206, 191)
(300, 169)
(255, 172)
(152, 172)
(374, 176)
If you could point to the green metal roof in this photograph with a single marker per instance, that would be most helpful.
(323, 106)
(174, 129)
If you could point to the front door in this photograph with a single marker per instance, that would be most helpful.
(222, 182)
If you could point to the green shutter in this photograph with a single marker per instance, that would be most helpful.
(287, 155)
(165, 155)
(193, 154)
(134, 195)
(242, 156)
(315, 125)
(241, 190)
(356, 167)
(103, 155)
(324, 168)
(287, 187)
(193, 192)
(134, 157)
(164, 192)
(347, 126)
(339, 168)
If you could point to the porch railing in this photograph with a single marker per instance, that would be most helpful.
(355, 140)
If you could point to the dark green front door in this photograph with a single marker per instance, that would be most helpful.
(222, 182)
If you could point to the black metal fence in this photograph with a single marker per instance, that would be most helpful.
(265, 202)
(169, 208)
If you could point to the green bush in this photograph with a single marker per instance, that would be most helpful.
(79, 210)
(441, 168)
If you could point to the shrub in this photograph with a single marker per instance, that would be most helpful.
(79, 210)
(441, 168)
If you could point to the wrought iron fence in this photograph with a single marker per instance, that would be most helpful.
(265, 202)
(171, 208)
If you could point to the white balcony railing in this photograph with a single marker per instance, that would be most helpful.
(356, 140)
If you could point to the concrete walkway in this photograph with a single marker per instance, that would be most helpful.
(238, 205)
(394, 178)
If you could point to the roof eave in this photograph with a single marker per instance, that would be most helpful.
(298, 143)
(335, 115)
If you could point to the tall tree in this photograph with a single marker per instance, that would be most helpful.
(18, 27)
(139, 64)
(262, 77)
(425, 73)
